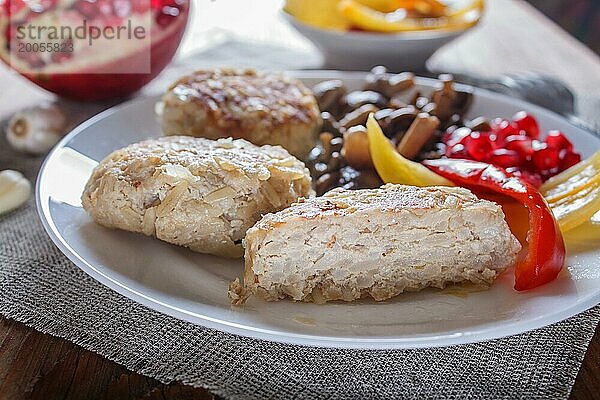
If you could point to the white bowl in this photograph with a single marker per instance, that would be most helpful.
(364, 50)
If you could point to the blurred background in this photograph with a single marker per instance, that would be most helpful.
(581, 18)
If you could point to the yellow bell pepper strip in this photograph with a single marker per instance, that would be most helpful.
(382, 5)
(431, 8)
(574, 194)
(392, 167)
(372, 20)
(596, 218)
(546, 251)
(319, 14)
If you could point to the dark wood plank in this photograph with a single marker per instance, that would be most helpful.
(38, 366)
(587, 384)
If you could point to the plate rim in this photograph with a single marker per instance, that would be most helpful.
(373, 343)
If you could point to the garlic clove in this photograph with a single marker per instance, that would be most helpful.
(15, 190)
(37, 129)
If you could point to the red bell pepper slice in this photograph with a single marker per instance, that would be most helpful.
(546, 253)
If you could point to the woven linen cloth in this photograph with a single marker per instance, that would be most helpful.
(43, 289)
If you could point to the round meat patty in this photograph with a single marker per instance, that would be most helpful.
(198, 193)
(263, 108)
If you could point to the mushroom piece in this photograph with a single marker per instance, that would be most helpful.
(329, 95)
(376, 80)
(363, 179)
(444, 97)
(36, 130)
(330, 124)
(399, 83)
(356, 148)
(379, 80)
(15, 190)
(356, 99)
(327, 182)
(419, 132)
(358, 116)
(400, 120)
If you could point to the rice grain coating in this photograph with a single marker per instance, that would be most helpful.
(263, 108)
(377, 243)
(198, 193)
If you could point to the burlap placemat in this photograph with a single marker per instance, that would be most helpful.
(43, 289)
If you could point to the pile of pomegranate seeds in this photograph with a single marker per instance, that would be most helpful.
(516, 146)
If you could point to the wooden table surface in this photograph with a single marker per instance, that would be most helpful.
(512, 37)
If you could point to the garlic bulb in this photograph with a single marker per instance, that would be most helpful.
(15, 190)
(37, 129)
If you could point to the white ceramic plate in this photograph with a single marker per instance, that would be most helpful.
(193, 287)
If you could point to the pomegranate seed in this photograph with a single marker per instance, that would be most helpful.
(122, 8)
(533, 178)
(557, 140)
(504, 158)
(496, 123)
(87, 8)
(33, 59)
(525, 122)
(496, 142)
(478, 145)
(456, 151)
(179, 4)
(447, 134)
(166, 16)
(104, 7)
(140, 6)
(58, 58)
(520, 144)
(504, 129)
(42, 5)
(569, 159)
(545, 159)
(12, 7)
(9, 32)
(457, 135)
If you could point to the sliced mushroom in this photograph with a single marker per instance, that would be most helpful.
(350, 178)
(330, 124)
(356, 148)
(358, 116)
(327, 182)
(397, 102)
(354, 100)
(444, 97)
(401, 119)
(329, 95)
(421, 130)
(399, 83)
(376, 80)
